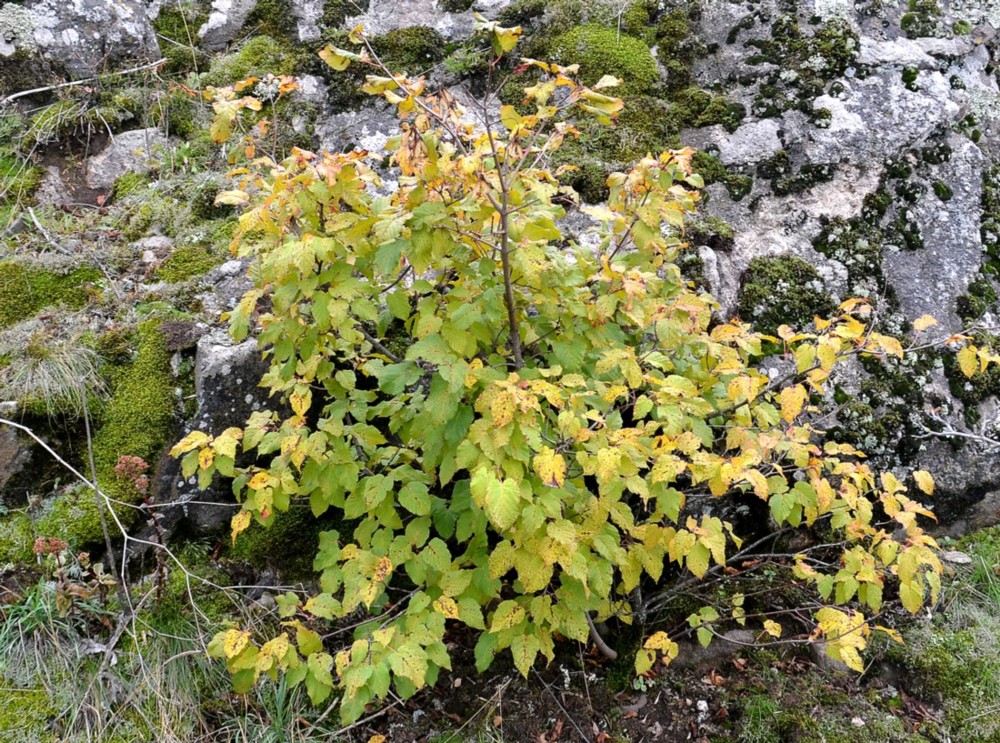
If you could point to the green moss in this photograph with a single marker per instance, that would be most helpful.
(17, 537)
(804, 64)
(257, 57)
(274, 18)
(456, 6)
(942, 191)
(177, 28)
(784, 180)
(712, 170)
(921, 20)
(603, 51)
(129, 183)
(694, 107)
(24, 290)
(336, 12)
(785, 290)
(601, 150)
(25, 714)
(187, 262)
(137, 421)
(978, 298)
(288, 544)
(412, 50)
(522, 13)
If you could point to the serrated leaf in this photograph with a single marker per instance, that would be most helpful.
(550, 467)
(234, 642)
(772, 628)
(968, 361)
(503, 502)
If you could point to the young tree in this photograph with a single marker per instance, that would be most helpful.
(520, 429)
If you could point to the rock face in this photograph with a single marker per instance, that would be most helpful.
(386, 15)
(80, 36)
(872, 137)
(129, 151)
(225, 20)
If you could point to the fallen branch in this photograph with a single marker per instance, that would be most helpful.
(73, 83)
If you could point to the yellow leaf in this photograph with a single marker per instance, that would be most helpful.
(234, 642)
(377, 739)
(193, 440)
(502, 408)
(382, 569)
(446, 606)
(551, 467)
(772, 628)
(923, 322)
(607, 464)
(608, 81)
(240, 522)
(258, 481)
(924, 481)
(968, 360)
(792, 399)
(205, 458)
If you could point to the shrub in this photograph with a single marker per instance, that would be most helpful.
(511, 424)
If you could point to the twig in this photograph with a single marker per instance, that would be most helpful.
(583, 735)
(45, 233)
(74, 83)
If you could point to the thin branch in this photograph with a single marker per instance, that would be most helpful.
(75, 83)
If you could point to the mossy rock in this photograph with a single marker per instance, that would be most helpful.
(604, 51)
(177, 27)
(784, 290)
(711, 169)
(257, 57)
(187, 262)
(25, 290)
(288, 544)
(412, 50)
(274, 18)
(137, 421)
(17, 539)
(601, 150)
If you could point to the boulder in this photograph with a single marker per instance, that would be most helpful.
(132, 151)
(81, 37)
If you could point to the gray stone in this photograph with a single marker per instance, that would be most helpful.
(224, 22)
(85, 36)
(129, 151)
(307, 13)
(227, 285)
(721, 649)
(387, 15)
(15, 453)
(928, 280)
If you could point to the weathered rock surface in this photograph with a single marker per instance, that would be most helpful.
(129, 151)
(224, 22)
(386, 15)
(81, 36)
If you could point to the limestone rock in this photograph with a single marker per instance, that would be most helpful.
(224, 22)
(386, 15)
(82, 36)
(129, 151)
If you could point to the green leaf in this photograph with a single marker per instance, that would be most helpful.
(415, 498)
(503, 502)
